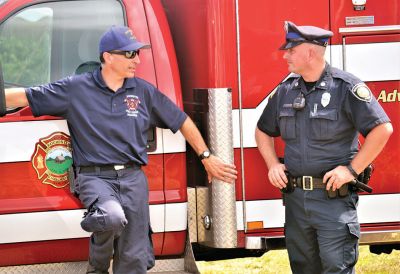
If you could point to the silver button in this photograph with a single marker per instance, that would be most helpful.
(323, 84)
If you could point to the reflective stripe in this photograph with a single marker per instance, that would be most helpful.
(378, 208)
(18, 139)
(65, 224)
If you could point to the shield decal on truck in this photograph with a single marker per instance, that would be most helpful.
(52, 158)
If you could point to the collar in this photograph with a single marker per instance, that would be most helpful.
(128, 83)
(323, 82)
(325, 79)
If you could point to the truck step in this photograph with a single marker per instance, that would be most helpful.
(170, 266)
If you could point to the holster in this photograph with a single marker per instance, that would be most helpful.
(290, 184)
(343, 191)
(364, 177)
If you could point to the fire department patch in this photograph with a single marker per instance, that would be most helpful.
(52, 159)
(132, 105)
(362, 92)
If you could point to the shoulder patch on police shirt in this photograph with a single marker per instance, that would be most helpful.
(362, 92)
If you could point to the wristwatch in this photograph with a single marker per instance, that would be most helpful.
(352, 171)
(204, 155)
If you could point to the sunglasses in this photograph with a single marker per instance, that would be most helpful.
(128, 54)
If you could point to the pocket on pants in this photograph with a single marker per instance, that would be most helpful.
(350, 254)
(93, 219)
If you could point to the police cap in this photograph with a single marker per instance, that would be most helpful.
(295, 35)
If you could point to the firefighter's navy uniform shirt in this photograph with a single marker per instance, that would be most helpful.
(324, 134)
(106, 127)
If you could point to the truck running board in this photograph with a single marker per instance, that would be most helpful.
(162, 266)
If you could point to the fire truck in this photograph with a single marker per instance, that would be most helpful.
(219, 61)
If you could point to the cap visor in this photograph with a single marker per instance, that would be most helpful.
(290, 44)
(135, 46)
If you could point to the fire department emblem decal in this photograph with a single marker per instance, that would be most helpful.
(52, 159)
(132, 105)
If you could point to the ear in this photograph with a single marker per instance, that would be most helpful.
(311, 53)
(107, 57)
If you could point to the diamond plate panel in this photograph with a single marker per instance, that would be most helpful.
(72, 267)
(192, 221)
(203, 209)
(189, 260)
(168, 265)
(162, 266)
(223, 199)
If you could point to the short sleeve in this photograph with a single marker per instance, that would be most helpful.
(268, 122)
(363, 109)
(165, 114)
(49, 99)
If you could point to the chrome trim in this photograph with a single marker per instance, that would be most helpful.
(256, 242)
(380, 237)
(243, 180)
(344, 53)
(376, 29)
(367, 238)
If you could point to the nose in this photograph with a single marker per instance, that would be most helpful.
(136, 60)
(285, 55)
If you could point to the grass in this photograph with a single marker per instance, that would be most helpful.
(276, 261)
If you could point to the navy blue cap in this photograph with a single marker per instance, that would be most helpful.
(120, 38)
(295, 35)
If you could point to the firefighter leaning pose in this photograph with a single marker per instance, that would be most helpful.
(109, 112)
(319, 112)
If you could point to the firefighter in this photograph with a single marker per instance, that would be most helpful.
(319, 112)
(109, 112)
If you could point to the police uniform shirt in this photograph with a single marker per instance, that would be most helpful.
(106, 127)
(324, 134)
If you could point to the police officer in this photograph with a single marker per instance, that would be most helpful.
(109, 112)
(319, 112)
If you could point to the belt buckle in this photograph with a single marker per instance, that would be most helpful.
(309, 181)
(119, 167)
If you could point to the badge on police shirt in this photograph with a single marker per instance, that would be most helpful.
(326, 98)
(362, 92)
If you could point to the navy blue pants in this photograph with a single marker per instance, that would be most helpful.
(321, 233)
(118, 217)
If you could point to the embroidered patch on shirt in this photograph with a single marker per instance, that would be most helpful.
(132, 105)
(362, 92)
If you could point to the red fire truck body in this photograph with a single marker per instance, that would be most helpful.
(229, 45)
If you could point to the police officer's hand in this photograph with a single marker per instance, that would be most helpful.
(337, 177)
(277, 176)
(217, 169)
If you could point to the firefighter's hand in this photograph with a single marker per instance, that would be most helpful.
(337, 177)
(217, 169)
(277, 176)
